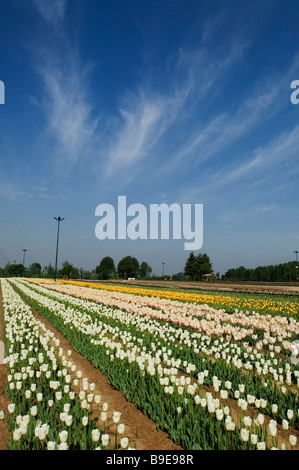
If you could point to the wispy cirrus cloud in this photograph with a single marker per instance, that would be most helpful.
(267, 163)
(241, 215)
(71, 127)
(149, 119)
(267, 158)
(210, 138)
(8, 191)
(226, 128)
(51, 11)
(65, 98)
(143, 120)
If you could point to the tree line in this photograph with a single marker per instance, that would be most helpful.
(128, 267)
(284, 272)
(195, 269)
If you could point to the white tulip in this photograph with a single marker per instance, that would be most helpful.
(17, 434)
(121, 428)
(260, 419)
(95, 434)
(63, 435)
(285, 424)
(51, 445)
(105, 439)
(62, 446)
(247, 421)
(124, 442)
(116, 416)
(69, 420)
(11, 408)
(261, 446)
(292, 440)
(274, 408)
(33, 410)
(272, 429)
(244, 435)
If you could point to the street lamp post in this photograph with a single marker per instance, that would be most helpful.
(296, 252)
(24, 249)
(59, 219)
(163, 269)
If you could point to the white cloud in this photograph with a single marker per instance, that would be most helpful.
(8, 191)
(143, 121)
(148, 119)
(225, 129)
(242, 215)
(267, 161)
(68, 108)
(51, 11)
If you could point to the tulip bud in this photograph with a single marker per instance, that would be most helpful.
(292, 440)
(244, 435)
(105, 439)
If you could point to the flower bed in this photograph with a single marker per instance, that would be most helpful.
(165, 368)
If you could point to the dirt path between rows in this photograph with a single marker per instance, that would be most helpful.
(140, 430)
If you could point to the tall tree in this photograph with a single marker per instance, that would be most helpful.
(35, 270)
(69, 271)
(145, 270)
(202, 265)
(15, 270)
(189, 269)
(106, 268)
(49, 271)
(128, 267)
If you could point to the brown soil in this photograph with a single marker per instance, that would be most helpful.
(140, 430)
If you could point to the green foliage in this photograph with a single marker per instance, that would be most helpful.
(197, 266)
(35, 270)
(128, 267)
(68, 271)
(145, 270)
(106, 268)
(15, 270)
(189, 269)
(179, 277)
(285, 272)
(49, 271)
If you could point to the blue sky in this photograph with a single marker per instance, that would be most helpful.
(162, 101)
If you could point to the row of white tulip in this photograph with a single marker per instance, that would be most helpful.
(239, 325)
(247, 357)
(48, 410)
(148, 361)
(263, 364)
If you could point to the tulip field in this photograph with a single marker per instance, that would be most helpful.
(211, 372)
